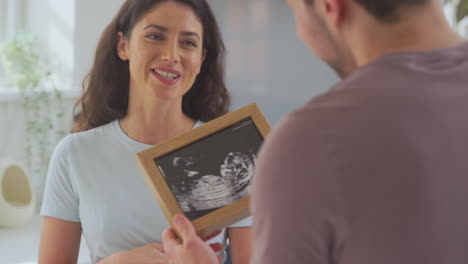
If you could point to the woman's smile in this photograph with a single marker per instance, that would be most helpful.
(166, 75)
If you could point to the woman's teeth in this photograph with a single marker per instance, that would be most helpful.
(166, 75)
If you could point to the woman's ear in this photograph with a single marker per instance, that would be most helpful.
(122, 44)
(202, 61)
(203, 56)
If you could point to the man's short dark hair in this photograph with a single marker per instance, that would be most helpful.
(388, 10)
(385, 10)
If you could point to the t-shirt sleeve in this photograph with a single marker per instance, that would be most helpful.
(246, 222)
(60, 196)
(296, 205)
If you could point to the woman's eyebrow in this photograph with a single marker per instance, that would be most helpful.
(190, 33)
(164, 29)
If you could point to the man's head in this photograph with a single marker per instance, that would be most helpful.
(329, 27)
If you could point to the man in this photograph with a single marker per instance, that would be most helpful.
(375, 170)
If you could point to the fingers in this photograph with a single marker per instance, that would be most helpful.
(215, 234)
(216, 247)
(157, 246)
(169, 239)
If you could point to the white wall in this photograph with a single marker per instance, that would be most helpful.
(92, 16)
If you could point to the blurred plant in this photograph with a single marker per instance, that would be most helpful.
(461, 8)
(31, 74)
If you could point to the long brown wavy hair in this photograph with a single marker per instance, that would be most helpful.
(106, 87)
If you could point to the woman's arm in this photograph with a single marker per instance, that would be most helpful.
(240, 244)
(60, 241)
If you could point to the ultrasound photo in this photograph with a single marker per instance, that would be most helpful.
(214, 171)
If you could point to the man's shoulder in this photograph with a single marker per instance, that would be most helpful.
(353, 98)
(301, 126)
(369, 85)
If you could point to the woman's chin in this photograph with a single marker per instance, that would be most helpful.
(168, 92)
(167, 96)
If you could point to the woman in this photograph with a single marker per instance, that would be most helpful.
(158, 72)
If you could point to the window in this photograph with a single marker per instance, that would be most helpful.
(3, 17)
(10, 22)
(2, 28)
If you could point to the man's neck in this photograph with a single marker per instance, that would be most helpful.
(422, 30)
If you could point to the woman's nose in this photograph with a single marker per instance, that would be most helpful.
(170, 54)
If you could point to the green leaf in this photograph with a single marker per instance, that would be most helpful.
(462, 10)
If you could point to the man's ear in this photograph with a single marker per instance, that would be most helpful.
(122, 44)
(334, 10)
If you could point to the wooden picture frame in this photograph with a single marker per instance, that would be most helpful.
(217, 158)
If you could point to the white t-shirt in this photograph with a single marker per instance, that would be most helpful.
(94, 179)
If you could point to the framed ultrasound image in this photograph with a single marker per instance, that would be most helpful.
(206, 173)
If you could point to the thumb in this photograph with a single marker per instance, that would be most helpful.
(184, 227)
(169, 240)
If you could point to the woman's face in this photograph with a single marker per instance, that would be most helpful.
(165, 52)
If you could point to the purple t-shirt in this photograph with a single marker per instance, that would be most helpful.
(375, 170)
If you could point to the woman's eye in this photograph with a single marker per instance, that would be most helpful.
(190, 43)
(154, 36)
